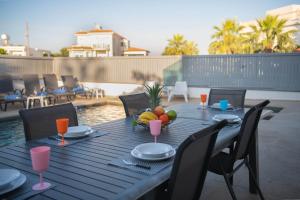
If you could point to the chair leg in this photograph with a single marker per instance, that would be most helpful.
(231, 147)
(254, 180)
(170, 97)
(229, 186)
(24, 104)
(185, 98)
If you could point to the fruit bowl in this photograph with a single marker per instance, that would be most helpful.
(143, 118)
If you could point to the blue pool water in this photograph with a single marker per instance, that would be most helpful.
(12, 131)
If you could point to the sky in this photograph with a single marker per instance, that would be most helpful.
(147, 24)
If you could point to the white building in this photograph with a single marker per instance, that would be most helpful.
(291, 13)
(99, 43)
(21, 50)
(133, 51)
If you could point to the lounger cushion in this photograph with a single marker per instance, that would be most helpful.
(42, 94)
(78, 89)
(12, 97)
(59, 91)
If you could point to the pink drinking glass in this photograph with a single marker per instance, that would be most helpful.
(155, 128)
(40, 161)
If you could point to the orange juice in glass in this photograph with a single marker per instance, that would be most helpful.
(203, 98)
(62, 127)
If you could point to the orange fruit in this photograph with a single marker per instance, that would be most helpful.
(159, 110)
(164, 118)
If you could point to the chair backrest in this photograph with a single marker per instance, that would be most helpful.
(181, 86)
(248, 128)
(134, 103)
(50, 81)
(31, 83)
(41, 122)
(235, 97)
(191, 163)
(6, 84)
(69, 81)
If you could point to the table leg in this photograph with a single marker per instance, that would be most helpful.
(253, 161)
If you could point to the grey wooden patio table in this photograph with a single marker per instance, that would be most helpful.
(81, 170)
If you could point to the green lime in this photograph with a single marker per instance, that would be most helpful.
(172, 114)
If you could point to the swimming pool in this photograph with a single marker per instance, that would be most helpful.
(12, 131)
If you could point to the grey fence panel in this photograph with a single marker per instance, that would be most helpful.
(17, 66)
(258, 71)
(116, 69)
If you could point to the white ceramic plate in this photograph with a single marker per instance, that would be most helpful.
(155, 150)
(74, 135)
(7, 176)
(230, 118)
(217, 106)
(78, 129)
(168, 155)
(14, 184)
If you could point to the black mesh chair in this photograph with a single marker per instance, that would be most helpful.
(235, 97)
(7, 90)
(190, 165)
(134, 103)
(32, 84)
(51, 85)
(223, 163)
(41, 122)
(33, 87)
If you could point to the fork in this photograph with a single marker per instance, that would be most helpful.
(127, 162)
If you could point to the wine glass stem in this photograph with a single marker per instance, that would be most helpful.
(63, 139)
(41, 179)
(154, 139)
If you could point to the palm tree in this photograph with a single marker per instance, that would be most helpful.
(286, 42)
(227, 38)
(251, 40)
(274, 38)
(191, 48)
(178, 45)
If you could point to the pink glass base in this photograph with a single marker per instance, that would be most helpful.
(41, 186)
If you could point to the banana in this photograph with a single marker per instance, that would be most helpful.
(145, 117)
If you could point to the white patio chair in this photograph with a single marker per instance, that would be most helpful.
(179, 89)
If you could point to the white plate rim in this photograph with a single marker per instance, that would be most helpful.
(87, 128)
(17, 183)
(233, 116)
(153, 159)
(85, 134)
(230, 121)
(218, 106)
(154, 155)
(9, 181)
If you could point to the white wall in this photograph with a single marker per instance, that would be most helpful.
(114, 89)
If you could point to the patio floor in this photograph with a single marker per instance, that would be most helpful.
(279, 150)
